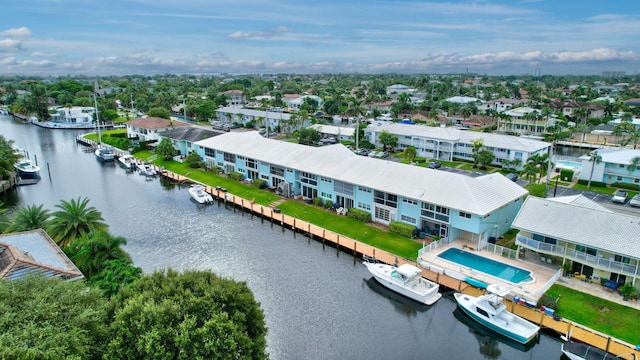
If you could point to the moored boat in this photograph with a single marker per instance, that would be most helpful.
(127, 161)
(146, 169)
(581, 351)
(199, 195)
(406, 280)
(27, 169)
(105, 154)
(490, 311)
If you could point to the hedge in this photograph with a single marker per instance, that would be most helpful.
(627, 186)
(593, 183)
(359, 214)
(402, 228)
(236, 176)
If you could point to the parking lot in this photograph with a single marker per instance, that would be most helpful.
(603, 199)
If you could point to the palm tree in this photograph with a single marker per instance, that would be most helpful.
(530, 171)
(27, 218)
(92, 251)
(634, 164)
(581, 113)
(5, 221)
(410, 153)
(594, 158)
(74, 220)
(356, 110)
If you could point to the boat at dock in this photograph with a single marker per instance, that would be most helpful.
(127, 161)
(146, 169)
(581, 351)
(105, 154)
(27, 169)
(406, 280)
(490, 311)
(199, 195)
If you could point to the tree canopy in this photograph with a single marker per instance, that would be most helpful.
(165, 149)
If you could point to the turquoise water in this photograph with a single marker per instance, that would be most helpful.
(488, 266)
(569, 164)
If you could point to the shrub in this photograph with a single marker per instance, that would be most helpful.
(566, 175)
(261, 184)
(359, 214)
(328, 204)
(537, 190)
(548, 302)
(626, 186)
(593, 183)
(236, 176)
(401, 228)
(318, 201)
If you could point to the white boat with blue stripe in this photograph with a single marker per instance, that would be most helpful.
(406, 280)
(490, 311)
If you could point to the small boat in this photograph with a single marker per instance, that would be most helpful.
(581, 351)
(127, 161)
(105, 154)
(406, 280)
(491, 312)
(475, 283)
(27, 169)
(199, 195)
(146, 169)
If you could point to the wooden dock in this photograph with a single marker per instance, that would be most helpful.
(342, 243)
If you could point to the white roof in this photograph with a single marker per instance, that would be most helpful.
(462, 99)
(515, 143)
(256, 113)
(615, 156)
(588, 224)
(334, 130)
(521, 111)
(480, 196)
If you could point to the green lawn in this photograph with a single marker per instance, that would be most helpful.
(602, 315)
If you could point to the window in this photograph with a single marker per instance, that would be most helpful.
(252, 164)
(276, 170)
(382, 214)
(228, 157)
(343, 188)
(435, 212)
(209, 152)
(364, 206)
(464, 215)
(326, 195)
(408, 219)
(324, 179)
(364, 189)
(409, 201)
(385, 199)
(622, 259)
(587, 250)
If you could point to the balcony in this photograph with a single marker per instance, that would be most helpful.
(581, 257)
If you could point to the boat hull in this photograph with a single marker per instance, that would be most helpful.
(579, 351)
(466, 304)
(379, 272)
(105, 155)
(199, 195)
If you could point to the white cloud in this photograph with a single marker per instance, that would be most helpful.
(21, 32)
(10, 45)
(267, 34)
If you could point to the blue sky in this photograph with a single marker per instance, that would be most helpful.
(495, 37)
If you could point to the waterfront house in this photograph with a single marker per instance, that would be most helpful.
(451, 144)
(449, 205)
(613, 167)
(34, 252)
(597, 242)
(520, 121)
(74, 114)
(295, 103)
(148, 128)
(383, 107)
(340, 133)
(229, 115)
(183, 137)
(500, 105)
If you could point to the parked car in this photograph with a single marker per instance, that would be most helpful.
(620, 196)
(635, 201)
(512, 176)
(434, 165)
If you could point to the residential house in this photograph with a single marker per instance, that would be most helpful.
(259, 118)
(340, 133)
(451, 144)
(183, 137)
(34, 252)
(500, 105)
(383, 107)
(399, 89)
(595, 241)
(148, 128)
(519, 121)
(613, 167)
(449, 205)
(74, 114)
(567, 108)
(295, 103)
(235, 97)
(477, 122)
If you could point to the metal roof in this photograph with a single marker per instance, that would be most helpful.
(515, 143)
(480, 196)
(587, 225)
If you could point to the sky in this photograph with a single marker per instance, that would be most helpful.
(147, 37)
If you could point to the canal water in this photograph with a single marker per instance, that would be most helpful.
(319, 303)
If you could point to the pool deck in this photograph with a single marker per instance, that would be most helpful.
(542, 273)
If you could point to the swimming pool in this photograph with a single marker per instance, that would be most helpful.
(488, 266)
(568, 165)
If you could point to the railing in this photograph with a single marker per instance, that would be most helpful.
(548, 284)
(434, 245)
(501, 250)
(582, 257)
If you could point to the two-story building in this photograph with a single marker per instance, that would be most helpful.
(74, 115)
(597, 242)
(148, 128)
(437, 202)
(614, 167)
(567, 108)
(235, 98)
(450, 143)
(229, 115)
(520, 121)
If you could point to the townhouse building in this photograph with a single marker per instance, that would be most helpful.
(449, 144)
(614, 167)
(437, 202)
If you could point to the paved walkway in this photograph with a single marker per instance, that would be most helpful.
(595, 289)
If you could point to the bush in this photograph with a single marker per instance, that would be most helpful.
(548, 302)
(261, 184)
(537, 190)
(626, 186)
(359, 214)
(328, 204)
(236, 176)
(593, 183)
(401, 228)
(318, 202)
(566, 175)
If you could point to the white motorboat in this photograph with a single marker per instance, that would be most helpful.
(127, 161)
(199, 195)
(490, 311)
(27, 169)
(406, 280)
(580, 351)
(146, 169)
(105, 154)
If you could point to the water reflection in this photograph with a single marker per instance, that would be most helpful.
(402, 304)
